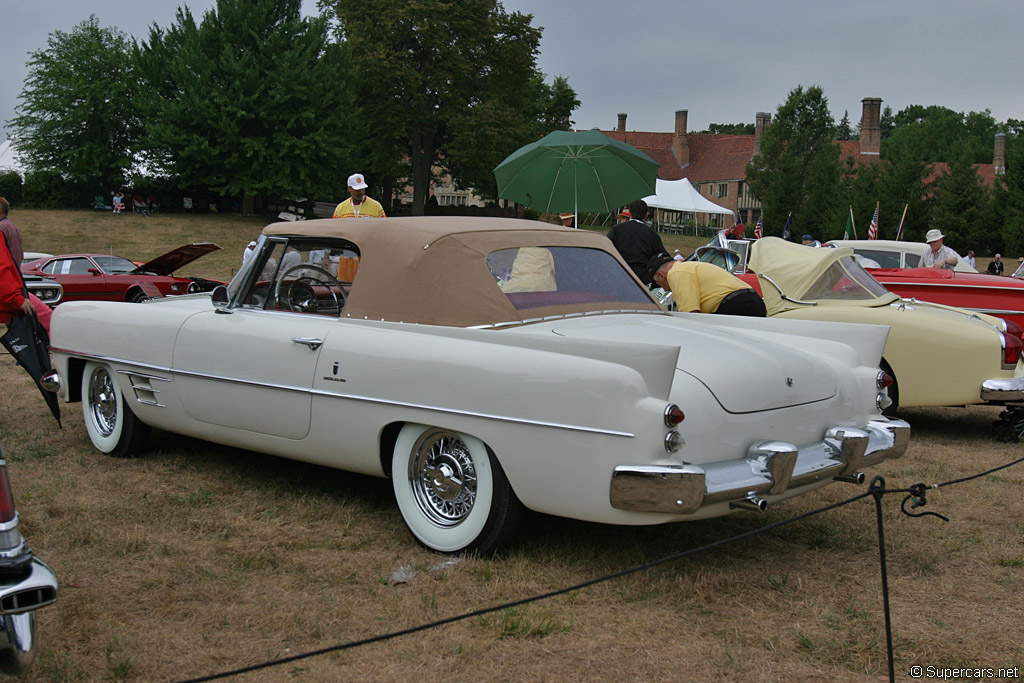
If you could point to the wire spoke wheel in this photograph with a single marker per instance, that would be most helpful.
(443, 477)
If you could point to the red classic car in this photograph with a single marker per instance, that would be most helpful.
(104, 277)
(963, 287)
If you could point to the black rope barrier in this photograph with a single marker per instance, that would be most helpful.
(876, 490)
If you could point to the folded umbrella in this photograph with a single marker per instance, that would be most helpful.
(28, 342)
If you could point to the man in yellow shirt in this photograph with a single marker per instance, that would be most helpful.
(699, 287)
(358, 205)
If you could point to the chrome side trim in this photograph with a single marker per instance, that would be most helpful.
(144, 376)
(769, 468)
(529, 321)
(347, 397)
(998, 390)
(471, 413)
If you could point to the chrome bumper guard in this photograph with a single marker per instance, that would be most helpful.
(37, 589)
(769, 468)
(1000, 390)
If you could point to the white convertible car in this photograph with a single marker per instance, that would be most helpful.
(485, 365)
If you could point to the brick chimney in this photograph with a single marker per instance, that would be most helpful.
(999, 158)
(622, 123)
(680, 143)
(761, 121)
(871, 126)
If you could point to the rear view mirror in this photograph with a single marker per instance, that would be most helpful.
(220, 298)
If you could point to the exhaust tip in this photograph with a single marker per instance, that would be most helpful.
(855, 478)
(752, 502)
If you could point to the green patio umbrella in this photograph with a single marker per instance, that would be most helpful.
(576, 171)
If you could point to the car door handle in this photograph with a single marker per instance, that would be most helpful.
(312, 342)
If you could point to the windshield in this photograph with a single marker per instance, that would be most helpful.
(114, 265)
(305, 275)
(723, 258)
(534, 277)
(845, 280)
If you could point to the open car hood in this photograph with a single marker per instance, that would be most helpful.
(172, 260)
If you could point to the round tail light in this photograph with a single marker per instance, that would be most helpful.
(673, 415)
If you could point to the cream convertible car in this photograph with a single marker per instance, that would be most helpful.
(485, 365)
(937, 355)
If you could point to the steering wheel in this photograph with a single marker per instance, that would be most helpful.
(310, 304)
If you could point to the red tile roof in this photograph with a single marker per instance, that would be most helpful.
(715, 157)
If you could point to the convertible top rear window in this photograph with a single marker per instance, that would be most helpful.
(535, 277)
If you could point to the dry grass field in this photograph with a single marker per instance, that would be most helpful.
(196, 559)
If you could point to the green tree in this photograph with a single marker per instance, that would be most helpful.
(11, 185)
(960, 204)
(1008, 194)
(252, 100)
(798, 169)
(730, 129)
(447, 86)
(885, 121)
(76, 118)
(938, 132)
(843, 130)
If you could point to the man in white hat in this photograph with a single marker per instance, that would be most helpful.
(939, 256)
(358, 205)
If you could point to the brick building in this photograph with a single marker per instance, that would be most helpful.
(715, 164)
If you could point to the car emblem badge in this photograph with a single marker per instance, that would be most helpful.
(335, 368)
(789, 381)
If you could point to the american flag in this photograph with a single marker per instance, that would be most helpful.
(873, 228)
(758, 229)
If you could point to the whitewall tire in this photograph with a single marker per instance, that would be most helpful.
(112, 426)
(451, 490)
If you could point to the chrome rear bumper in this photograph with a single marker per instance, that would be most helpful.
(769, 468)
(1000, 390)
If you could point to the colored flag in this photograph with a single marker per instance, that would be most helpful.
(851, 229)
(758, 229)
(873, 228)
(785, 230)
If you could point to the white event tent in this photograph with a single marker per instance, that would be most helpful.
(679, 195)
(8, 160)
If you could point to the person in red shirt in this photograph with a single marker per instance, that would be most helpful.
(12, 299)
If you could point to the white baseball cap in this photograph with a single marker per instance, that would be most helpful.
(356, 181)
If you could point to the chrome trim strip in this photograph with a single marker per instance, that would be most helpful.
(144, 376)
(470, 413)
(565, 316)
(353, 397)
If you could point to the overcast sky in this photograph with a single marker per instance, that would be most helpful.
(722, 60)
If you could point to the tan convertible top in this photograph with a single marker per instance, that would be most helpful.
(433, 270)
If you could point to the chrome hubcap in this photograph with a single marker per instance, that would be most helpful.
(443, 477)
(103, 402)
